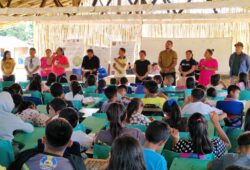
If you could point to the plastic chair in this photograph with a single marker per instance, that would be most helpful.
(42, 109)
(140, 96)
(102, 73)
(244, 95)
(189, 164)
(233, 134)
(6, 153)
(36, 94)
(169, 143)
(80, 127)
(100, 115)
(24, 84)
(139, 89)
(140, 127)
(77, 71)
(101, 151)
(152, 110)
(4, 84)
(35, 100)
(47, 97)
(77, 104)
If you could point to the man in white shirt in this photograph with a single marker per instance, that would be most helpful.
(195, 104)
(32, 64)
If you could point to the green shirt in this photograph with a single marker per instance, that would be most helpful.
(236, 65)
(166, 59)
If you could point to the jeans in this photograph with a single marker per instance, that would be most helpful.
(9, 78)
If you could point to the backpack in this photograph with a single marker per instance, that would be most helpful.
(76, 161)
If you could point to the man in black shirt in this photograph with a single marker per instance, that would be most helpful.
(90, 62)
(141, 67)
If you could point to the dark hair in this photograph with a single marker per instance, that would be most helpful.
(132, 108)
(198, 130)
(243, 78)
(75, 88)
(58, 133)
(244, 139)
(17, 99)
(190, 83)
(247, 121)
(91, 80)
(158, 78)
(157, 131)
(211, 92)
(154, 64)
(71, 115)
(36, 84)
(23, 106)
(110, 92)
(151, 86)
(210, 51)
(32, 49)
(144, 52)
(122, 87)
(51, 79)
(14, 89)
(62, 79)
(73, 77)
(123, 50)
(215, 79)
(9, 90)
(90, 51)
(56, 90)
(170, 41)
(198, 94)
(191, 52)
(201, 87)
(116, 115)
(60, 48)
(58, 104)
(126, 154)
(124, 80)
(232, 88)
(172, 110)
(5, 54)
(101, 84)
(113, 81)
(237, 167)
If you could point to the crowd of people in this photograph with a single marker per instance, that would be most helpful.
(64, 147)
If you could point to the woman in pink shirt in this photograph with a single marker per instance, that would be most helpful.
(207, 66)
(46, 63)
(59, 63)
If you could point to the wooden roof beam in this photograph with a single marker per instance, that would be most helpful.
(43, 3)
(8, 3)
(1, 5)
(58, 3)
(76, 3)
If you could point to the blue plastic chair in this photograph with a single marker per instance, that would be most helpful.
(231, 107)
(6, 153)
(35, 100)
(244, 95)
(139, 89)
(77, 71)
(102, 73)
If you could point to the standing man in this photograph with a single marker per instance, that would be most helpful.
(32, 64)
(90, 62)
(168, 60)
(239, 62)
(120, 64)
(141, 67)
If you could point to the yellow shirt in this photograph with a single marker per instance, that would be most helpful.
(2, 168)
(167, 59)
(158, 101)
(123, 70)
(8, 66)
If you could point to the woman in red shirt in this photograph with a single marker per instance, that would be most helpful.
(59, 63)
(46, 63)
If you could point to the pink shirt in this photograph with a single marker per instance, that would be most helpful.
(45, 67)
(59, 60)
(205, 75)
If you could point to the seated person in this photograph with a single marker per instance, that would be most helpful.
(79, 136)
(247, 121)
(55, 107)
(101, 86)
(37, 85)
(211, 95)
(158, 80)
(199, 142)
(151, 94)
(10, 122)
(51, 79)
(116, 116)
(157, 135)
(217, 83)
(196, 103)
(75, 92)
(122, 92)
(28, 112)
(243, 81)
(57, 138)
(172, 115)
(126, 154)
(124, 81)
(242, 158)
(133, 111)
(167, 83)
(72, 78)
(113, 82)
(190, 84)
(62, 80)
(90, 84)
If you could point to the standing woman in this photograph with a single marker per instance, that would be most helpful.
(59, 63)
(120, 64)
(207, 66)
(46, 64)
(7, 66)
(187, 67)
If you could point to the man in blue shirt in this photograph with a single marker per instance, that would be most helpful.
(156, 137)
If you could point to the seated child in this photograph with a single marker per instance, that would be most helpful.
(75, 92)
(243, 81)
(167, 83)
(121, 92)
(62, 80)
(151, 94)
(37, 85)
(28, 112)
(101, 86)
(55, 107)
(172, 116)
(190, 84)
(199, 143)
(242, 158)
(217, 83)
(79, 136)
(133, 111)
(113, 82)
(51, 79)
(247, 121)
(158, 80)
(57, 138)
(91, 84)
(72, 78)
(157, 135)
(211, 95)
(124, 81)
